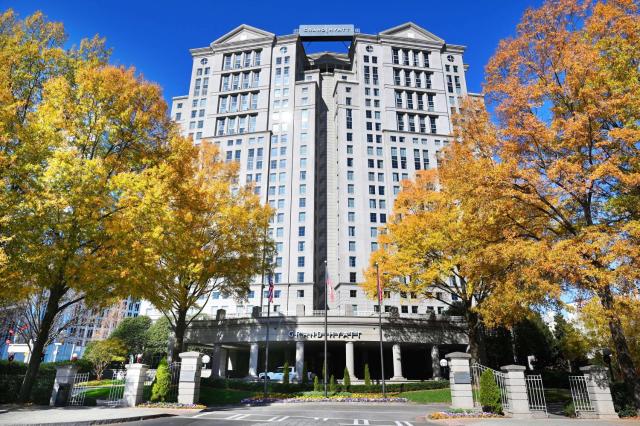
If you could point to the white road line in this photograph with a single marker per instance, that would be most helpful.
(403, 423)
(282, 419)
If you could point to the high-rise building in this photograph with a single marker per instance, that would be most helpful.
(326, 139)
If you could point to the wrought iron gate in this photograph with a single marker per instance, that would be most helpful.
(476, 372)
(116, 388)
(78, 389)
(535, 393)
(580, 395)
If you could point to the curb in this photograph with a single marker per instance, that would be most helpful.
(103, 421)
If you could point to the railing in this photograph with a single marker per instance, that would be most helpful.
(499, 377)
(78, 389)
(535, 393)
(342, 313)
(580, 395)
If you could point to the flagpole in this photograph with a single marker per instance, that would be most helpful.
(266, 349)
(324, 373)
(384, 390)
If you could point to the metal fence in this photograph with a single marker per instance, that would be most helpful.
(499, 377)
(580, 395)
(535, 393)
(78, 389)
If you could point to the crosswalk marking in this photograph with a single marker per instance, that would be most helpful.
(282, 419)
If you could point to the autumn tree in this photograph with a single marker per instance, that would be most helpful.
(101, 353)
(197, 232)
(74, 134)
(565, 90)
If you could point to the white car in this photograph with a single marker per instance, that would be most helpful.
(279, 374)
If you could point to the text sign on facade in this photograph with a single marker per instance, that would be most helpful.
(326, 30)
(462, 378)
(320, 334)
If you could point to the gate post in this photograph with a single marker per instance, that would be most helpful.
(460, 379)
(62, 385)
(517, 391)
(134, 384)
(189, 386)
(597, 381)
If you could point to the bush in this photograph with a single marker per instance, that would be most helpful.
(333, 386)
(569, 409)
(623, 399)
(367, 375)
(489, 392)
(316, 384)
(162, 382)
(285, 375)
(346, 380)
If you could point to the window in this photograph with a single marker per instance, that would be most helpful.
(301, 231)
(352, 277)
(300, 293)
(353, 293)
(300, 245)
(352, 262)
(352, 231)
(352, 246)
(300, 261)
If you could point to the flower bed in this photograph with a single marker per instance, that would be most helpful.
(463, 414)
(172, 405)
(334, 398)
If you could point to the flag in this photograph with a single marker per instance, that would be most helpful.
(271, 287)
(331, 290)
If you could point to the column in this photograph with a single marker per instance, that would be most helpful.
(517, 391)
(215, 360)
(134, 384)
(253, 360)
(349, 360)
(435, 361)
(299, 360)
(222, 367)
(598, 387)
(189, 385)
(397, 362)
(460, 380)
(65, 375)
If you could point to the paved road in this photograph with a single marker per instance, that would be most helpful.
(306, 415)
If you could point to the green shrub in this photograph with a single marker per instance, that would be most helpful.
(346, 380)
(333, 386)
(285, 375)
(489, 392)
(569, 409)
(316, 384)
(367, 375)
(623, 401)
(162, 383)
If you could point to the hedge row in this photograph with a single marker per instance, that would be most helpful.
(12, 373)
(294, 387)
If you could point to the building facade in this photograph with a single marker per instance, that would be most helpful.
(326, 139)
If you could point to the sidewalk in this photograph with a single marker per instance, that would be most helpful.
(16, 415)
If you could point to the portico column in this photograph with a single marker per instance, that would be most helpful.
(397, 363)
(215, 360)
(223, 363)
(300, 360)
(253, 360)
(349, 357)
(435, 361)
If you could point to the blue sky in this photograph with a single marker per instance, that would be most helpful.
(155, 36)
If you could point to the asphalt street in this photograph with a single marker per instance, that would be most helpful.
(306, 415)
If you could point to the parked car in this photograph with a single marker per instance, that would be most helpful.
(279, 374)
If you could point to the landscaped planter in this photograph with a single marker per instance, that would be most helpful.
(443, 415)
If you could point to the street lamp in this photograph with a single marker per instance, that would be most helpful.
(379, 291)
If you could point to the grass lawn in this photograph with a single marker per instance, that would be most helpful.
(557, 395)
(428, 396)
(214, 396)
(91, 395)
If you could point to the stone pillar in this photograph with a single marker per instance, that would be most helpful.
(65, 374)
(253, 360)
(299, 360)
(435, 362)
(598, 387)
(516, 391)
(397, 362)
(349, 360)
(222, 367)
(189, 386)
(215, 360)
(460, 380)
(134, 384)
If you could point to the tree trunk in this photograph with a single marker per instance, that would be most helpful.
(623, 355)
(474, 332)
(179, 331)
(53, 303)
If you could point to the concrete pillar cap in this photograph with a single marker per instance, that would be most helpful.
(191, 354)
(459, 355)
(67, 367)
(135, 366)
(593, 368)
(513, 367)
